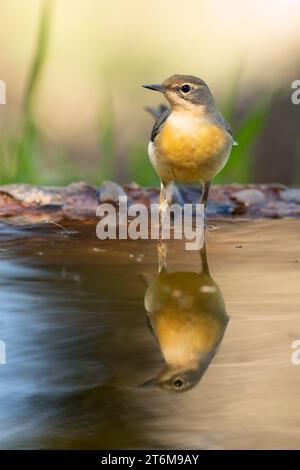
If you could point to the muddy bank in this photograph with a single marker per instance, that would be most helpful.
(22, 204)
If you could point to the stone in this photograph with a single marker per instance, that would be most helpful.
(249, 197)
(35, 195)
(279, 209)
(290, 195)
(132, 185)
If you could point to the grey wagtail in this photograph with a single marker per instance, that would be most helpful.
(190, 141)
(187, 316)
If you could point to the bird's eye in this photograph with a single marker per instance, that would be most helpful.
(178, 383)
(186, 88)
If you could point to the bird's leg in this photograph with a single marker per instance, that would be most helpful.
(204, 197)
(163, 206)
(163, 195)
(205, 192)
(162, 245)
(204, 262)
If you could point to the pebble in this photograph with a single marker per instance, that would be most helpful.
(290, 195)
(110, 192)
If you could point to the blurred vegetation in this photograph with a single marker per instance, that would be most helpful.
(246, 133)
(23, 151)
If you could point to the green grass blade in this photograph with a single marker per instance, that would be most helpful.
(239, 166)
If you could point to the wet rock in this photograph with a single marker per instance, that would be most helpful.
(110, 192)
(55, 197)
(239, 208)
(80, 200)
(219, 193)
(25, 204)
(290, 195)
(273, 186)
(35, 195)
(249, 197)
(132, 186)
(279, 209)
(9, 205)
(219, 208)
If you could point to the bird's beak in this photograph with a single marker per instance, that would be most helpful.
(149, 383)
(155, 88)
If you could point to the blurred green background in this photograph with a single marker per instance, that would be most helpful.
(74, 70)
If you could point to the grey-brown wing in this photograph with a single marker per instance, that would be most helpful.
(159, 122)
(224, 124)
(150, 326)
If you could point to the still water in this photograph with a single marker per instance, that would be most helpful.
(212, 352)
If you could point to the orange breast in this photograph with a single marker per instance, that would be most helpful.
(193, 148)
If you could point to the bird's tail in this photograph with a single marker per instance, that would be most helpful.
(156, 112)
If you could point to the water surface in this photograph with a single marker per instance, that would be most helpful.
(78, 343)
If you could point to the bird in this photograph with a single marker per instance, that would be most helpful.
(186, 313)
(190, 140)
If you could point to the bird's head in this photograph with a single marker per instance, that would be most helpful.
(185, 91)
(178, 380)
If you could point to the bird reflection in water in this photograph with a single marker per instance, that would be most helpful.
(186, 314)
